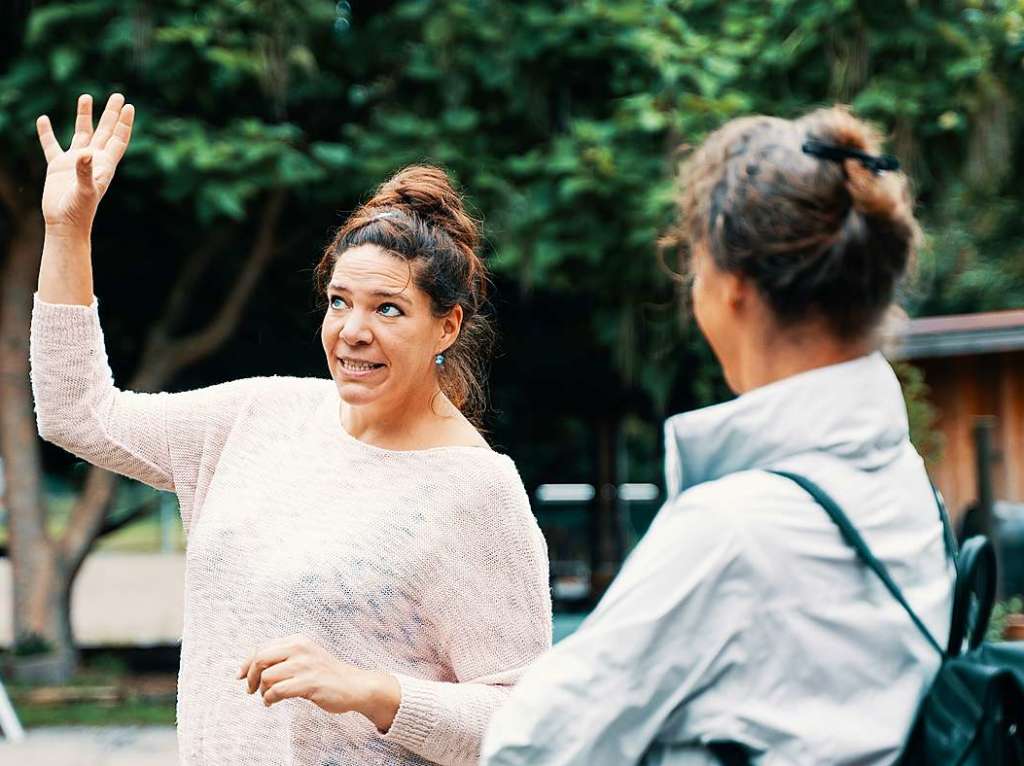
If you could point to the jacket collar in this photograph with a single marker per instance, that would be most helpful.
(854, 410)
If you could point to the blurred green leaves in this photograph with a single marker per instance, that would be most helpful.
(562, 120)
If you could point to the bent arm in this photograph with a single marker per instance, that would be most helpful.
(498, 620)
(444, 721)
(666, 625)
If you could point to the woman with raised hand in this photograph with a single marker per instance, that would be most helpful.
(743, 626)
(359, 560)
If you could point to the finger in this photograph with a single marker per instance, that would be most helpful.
(290, 688)
(83, 122)
(118, 142)
(105, 128)
(277, 673)
(244, 670)
(264, 659)
(51, 147)
(83, 168)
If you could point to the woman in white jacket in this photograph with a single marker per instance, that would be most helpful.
(742, 616)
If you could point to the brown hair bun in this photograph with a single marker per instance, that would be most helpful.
(818, 237)
(426, 191)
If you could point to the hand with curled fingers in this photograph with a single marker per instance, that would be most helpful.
(76, 179)
(295, 667)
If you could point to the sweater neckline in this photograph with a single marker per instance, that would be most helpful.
(330, 420)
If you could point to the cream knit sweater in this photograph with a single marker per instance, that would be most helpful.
(427, 564)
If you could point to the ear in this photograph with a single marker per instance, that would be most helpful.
(451, 324)
(738, 291)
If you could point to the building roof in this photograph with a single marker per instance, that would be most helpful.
(958, 335)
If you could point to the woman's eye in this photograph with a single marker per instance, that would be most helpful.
(390, 310)
(337, 302)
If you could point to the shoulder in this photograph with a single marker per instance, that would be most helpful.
(494, 503)
(739, 499)
(266, 388)
(259, 401)
(492, 478)
(283, 393)
(731, 513)
(280, 386)
(761, 522)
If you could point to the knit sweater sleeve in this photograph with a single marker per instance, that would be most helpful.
(496, 617)
(169, 441)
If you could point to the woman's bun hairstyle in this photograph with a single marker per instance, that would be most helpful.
(819, 237)
(419, 216)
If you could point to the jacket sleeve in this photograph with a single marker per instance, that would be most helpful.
(169, 441)
(497, 620)
(665, 628)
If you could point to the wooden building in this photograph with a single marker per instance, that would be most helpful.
(974, 366)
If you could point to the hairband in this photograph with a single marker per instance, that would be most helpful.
(875, 163)
(383, 214)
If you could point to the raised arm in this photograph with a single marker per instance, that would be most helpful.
(170, 441)
(76, 180)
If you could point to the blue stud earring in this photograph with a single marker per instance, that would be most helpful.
(439, 360)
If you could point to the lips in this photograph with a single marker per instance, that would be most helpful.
(358, 368)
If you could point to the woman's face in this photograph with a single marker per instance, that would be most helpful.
(379, 333)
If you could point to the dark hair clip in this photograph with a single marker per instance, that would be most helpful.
(874, 163)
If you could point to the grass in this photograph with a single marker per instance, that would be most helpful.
(103, 693)
(143, 536)
(128, 713)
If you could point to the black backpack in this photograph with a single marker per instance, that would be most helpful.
(973, 714)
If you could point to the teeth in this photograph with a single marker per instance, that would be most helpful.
(348, 364)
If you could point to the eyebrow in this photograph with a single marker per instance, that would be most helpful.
(375, 293)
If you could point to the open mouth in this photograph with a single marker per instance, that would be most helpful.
(357, 366)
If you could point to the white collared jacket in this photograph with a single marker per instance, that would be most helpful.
(742, 615)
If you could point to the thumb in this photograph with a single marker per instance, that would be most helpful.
(83, 168)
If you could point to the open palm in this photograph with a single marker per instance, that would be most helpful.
(78, 178)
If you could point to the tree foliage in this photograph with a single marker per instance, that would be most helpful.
(560, 118)
(563, 120)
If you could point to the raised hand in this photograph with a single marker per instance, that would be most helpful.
(78, 178)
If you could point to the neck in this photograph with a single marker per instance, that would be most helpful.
(397, 426)
(790, 352)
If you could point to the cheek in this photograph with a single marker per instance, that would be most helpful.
(330, 329)
(403, 346)
(326, 335)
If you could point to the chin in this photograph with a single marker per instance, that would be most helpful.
(355, 395)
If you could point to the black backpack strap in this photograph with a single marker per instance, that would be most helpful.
(855, 541)
(947, 527)
(730, 753)
(973, 595)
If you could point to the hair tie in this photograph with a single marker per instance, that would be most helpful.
(876, 163)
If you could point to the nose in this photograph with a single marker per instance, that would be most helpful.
(355, 330)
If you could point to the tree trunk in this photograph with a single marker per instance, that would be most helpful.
(40, 578)
(47, 613)
(606, 542)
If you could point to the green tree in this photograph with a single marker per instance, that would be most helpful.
(259, 119)
(213, 182)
